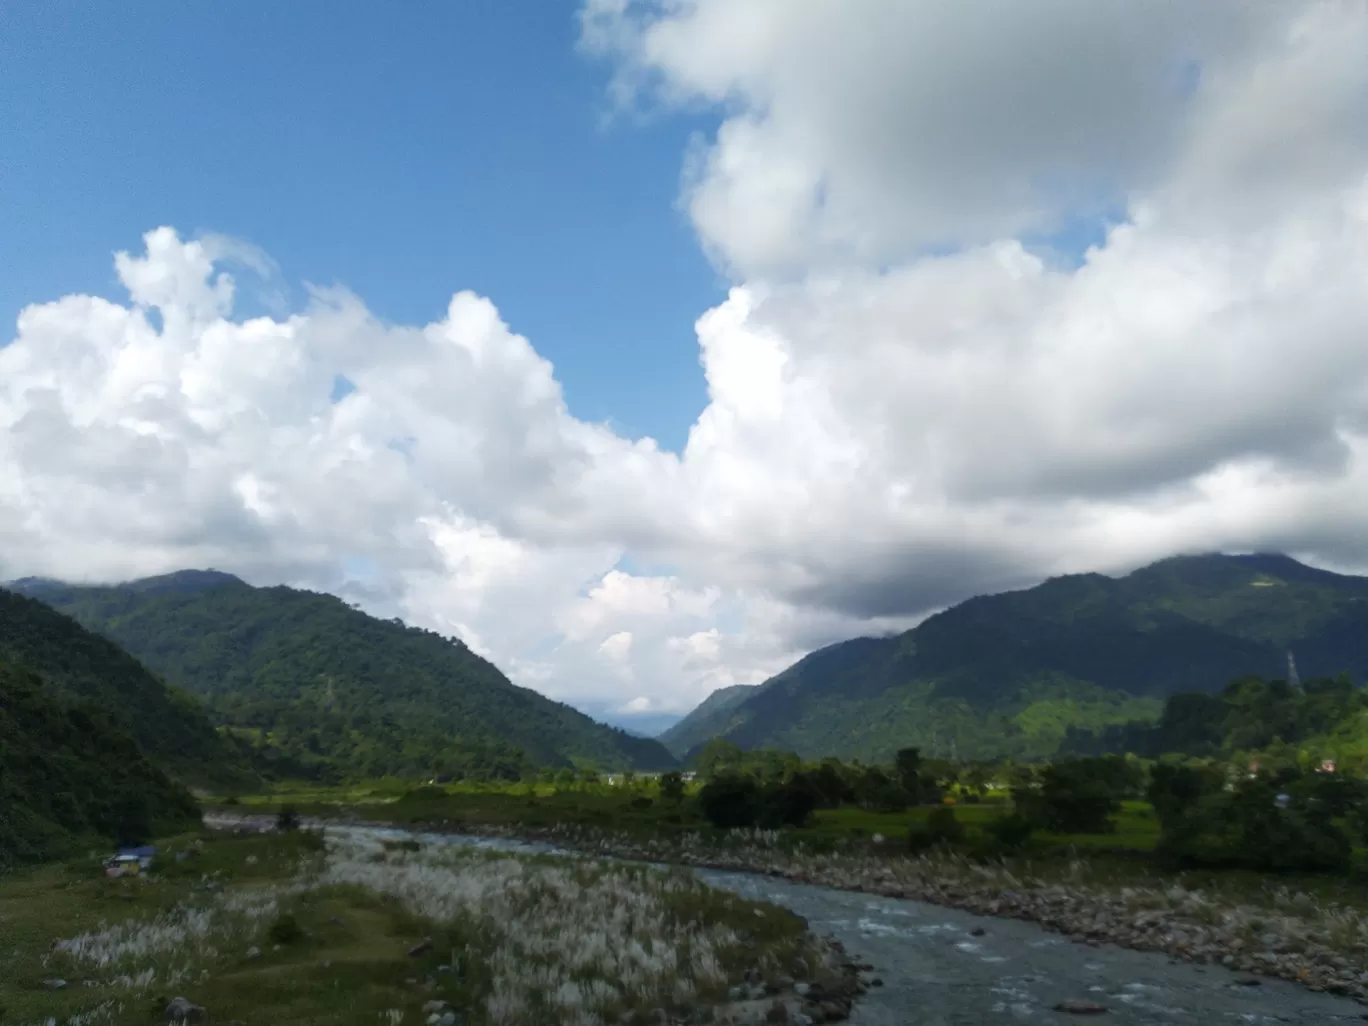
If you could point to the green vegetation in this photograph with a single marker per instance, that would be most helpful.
(1010, 675)
(275, 928)
(318, 689)
(69, 776)
(82, 668)
(1272, 721)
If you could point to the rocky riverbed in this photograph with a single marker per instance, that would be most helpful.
(1290, 937)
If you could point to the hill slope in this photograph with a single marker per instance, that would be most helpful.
(1008, 674)
(80, 667)
(69, 775)
(711, 718)
(322, 683)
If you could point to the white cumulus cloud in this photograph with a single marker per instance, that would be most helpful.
(913, 398)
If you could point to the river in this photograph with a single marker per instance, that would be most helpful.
(944, 967)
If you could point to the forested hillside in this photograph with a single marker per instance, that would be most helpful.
(712, 718)
(81, 667)
(1010, 674)
(69, 775)
(321, 687)
(1327, 717)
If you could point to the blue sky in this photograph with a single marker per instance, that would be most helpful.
(404, 151)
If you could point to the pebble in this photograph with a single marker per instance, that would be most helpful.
(1078, 1007)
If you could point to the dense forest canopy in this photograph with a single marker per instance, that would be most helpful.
(70, 775)
(315, 687)
(82, 667)
(1010, 675)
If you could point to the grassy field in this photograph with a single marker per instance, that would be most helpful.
(640, 811)
(266, 929)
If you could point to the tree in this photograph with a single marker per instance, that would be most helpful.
(907, 764)
(1077, 796)
(1175, 789)
(788, 803)
(717, 757)
(730, 801)
(1250, 826)
(941, 828)
(672, 787)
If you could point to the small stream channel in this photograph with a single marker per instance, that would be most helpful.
(944, 967)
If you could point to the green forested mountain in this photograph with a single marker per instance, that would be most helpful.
(1008, 674)
(1269, 720)
(713, 717)
(80, 667)
(321, 687)
(70, 775)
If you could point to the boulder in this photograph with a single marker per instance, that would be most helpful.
(182, 1010)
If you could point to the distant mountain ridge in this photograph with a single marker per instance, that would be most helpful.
(307, 678)
(711, 718)
(1007, 674)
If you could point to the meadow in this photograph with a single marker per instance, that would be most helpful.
(276, 927)
(638, 808)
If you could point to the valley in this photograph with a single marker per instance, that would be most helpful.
(371, 793)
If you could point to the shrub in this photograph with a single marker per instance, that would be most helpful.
(789, 803)
(287, 819)
(1011, 832)
(1077, 796)
(672, 787)
(941, 829)
(285, 930)
(730, 801)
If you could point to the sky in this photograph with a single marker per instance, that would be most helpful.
(647, 345)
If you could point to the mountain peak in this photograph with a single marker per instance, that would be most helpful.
(183, 582)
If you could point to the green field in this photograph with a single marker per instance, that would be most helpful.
(640, 811)
(270, 928)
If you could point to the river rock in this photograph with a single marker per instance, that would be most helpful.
(1078, 1007)
(183, 1010)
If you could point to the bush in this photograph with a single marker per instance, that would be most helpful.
(1078, 796)
(285, 930)
(941, 829)
(426, 793)
(788, 804)
(730, 801)
(1011, 832)
(672, 787)
(287, 819)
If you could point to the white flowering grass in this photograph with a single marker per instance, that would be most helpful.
(573, 940)
(507, 938)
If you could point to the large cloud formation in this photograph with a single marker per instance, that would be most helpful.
(914, 398)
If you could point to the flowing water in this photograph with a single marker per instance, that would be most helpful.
(944, 967)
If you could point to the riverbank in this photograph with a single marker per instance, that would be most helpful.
(260, 927)
(1286, 933)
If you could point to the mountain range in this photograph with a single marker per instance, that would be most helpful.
(1009, 674)
(314, 687)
